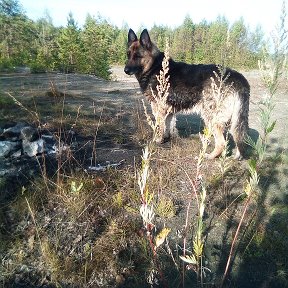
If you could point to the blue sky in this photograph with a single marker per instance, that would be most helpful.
(145, 13)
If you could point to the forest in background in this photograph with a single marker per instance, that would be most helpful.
(93, 48)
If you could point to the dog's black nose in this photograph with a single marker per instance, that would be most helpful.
(127, 70)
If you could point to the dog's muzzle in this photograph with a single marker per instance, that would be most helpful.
(132, 69)
(128, 70)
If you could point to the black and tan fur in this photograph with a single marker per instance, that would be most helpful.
(191, 91)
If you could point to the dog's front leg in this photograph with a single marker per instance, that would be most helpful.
(164, 121)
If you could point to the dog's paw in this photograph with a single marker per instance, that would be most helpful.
(210, 156)
(162, 140)
(238, 156)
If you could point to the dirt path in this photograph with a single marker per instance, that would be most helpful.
(280, 112)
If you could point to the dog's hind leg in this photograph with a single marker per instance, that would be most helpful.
(218, 133)
(239, 133)
(239, 127)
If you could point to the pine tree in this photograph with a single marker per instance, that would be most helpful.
(97, 38)
(119, 45)
(70, 50)
(16, 34)
(45, 46)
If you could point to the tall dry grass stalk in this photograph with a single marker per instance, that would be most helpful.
(34, 115)
(147, 208)
(159, 105)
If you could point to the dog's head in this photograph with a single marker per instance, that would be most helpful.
(141, 53)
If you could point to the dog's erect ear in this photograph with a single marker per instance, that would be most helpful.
(132, 37)
(145, 40)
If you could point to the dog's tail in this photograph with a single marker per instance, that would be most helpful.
(239, 121)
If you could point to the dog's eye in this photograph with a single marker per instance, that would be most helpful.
(137, 55)
(128, 54)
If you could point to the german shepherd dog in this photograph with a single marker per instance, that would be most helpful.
(191, 91)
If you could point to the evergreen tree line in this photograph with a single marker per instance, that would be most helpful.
(98, 44)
